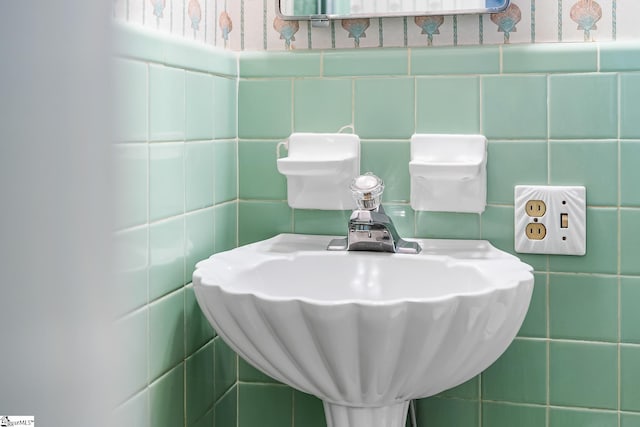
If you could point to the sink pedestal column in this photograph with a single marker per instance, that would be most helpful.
(386, 416)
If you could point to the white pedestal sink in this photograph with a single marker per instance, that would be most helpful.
(366, 332)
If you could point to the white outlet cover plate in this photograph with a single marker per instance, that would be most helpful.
(559, 200)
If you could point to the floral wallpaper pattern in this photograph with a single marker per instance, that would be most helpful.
(253, 24)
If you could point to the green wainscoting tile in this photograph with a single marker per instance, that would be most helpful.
(440, 412)
(131, 173)
(199, 175)
(224, 108)
(559, 417)
(198, 330)
(310, 221)
(448, 105)
(264, 109)
(247, 373)
(166, 334)
(225, 157)
(131, 256)
(519, 375)
(629, 173)
(514, 163)
(206, 420)
(199, 106)
(583, 374)
(275, 218)
(403, 218)
(550, 58)
(535, 324)
(629, 313)
(365, 62)
(307, 411)
(184, 53)
(270, 405)
(226, 227)
(592, 164)
(134, 412)
(166, 399)
(467, 390)
(166, 180)
(447, 225)
(166, 268)
(258, 176)
(583, 307)
(629, 248)
(280, 64)
(629, 108)
(322, 105)
(602, 245)
(629, 420)
(225, 367)
(456, 60)
(384, 108)
(200, 239)
(629, 378)
(166, 103)
(514, 107)
(583, 106)
(135, 42)
(509, 415)
(226, 409)
(130, 333)
(199, 383)
(620, 56)
(390, 161)
(131, 100)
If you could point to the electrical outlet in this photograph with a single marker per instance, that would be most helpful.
(550, 220)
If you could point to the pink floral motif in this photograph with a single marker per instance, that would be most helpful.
(195, 15)
(226, 26)
(430, 25)
(287, 30)
(356, 29)
(586, 13)
(507, 20)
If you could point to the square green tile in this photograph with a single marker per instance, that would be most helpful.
(264, 109)
(322, 105)
(308, 411)
(276, 218)
(198, 330)
(448, 105)
(224, 108)
(311, 221)
(403, 218)
(509, 415)
(602, 245)
(248, 373)
(226, 409)
(440, 412)
(130, 333)
(390, 161)
(384, 108)
(258, 176)
(620, 56)
(592, 164)
(583, 307)
(199, 106)
(629, 173)
(206, 420)
(629, 107)
(225, 227)
(131, 100)
(166, 399)
(535, 323)
(467, 390)
(131, 172)
(184, 53)
(166, 180)
(629, 375)
(270, 405)
(629, 420)
(199, 174)
(225, 367)
(629, 249)
(629, 313)
(166, 334)
(167, 255)
(199, 238)
(583, 106)
(225, 158)
(166, 103)
(280, 64)
(455, 60)
(514, 163)
(135, 411)
(447, 225)
(514, 107)
(583, 374)
(559, 417)
(131, 263)
(550, 58)
(519, 375)
(365, 62)
(199, 383)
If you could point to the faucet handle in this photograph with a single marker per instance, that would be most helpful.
(367, 191)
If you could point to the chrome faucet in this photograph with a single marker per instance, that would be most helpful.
(370, 228)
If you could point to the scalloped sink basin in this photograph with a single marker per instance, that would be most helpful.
(366, 332)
